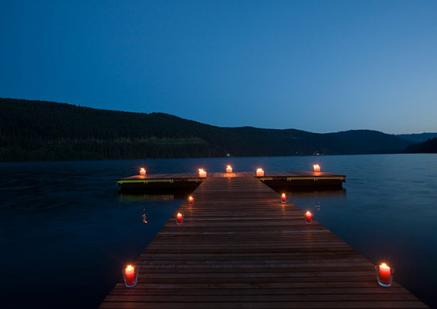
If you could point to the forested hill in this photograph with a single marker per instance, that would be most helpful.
(38, 130)
(429, 146)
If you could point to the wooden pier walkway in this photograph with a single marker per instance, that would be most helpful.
(240, 248)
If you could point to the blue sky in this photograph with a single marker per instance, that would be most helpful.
(314, 65)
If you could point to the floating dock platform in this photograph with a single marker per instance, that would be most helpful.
(304, 181)
(162, 183)
(159, 183)
(240, 247)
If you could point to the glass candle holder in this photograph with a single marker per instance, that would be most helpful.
(259, 172)
(130, 275)
(202, 173)
(283, 198)
(179, 218)
(384, 275)
(308, 217)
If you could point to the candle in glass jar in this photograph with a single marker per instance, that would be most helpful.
(228, 169)
(142, 172)
(308, 216)
(384, 275)
(179, 218)
(190, 199)
(259, 172)
(316, 168)
(202, 173)
(130, 276)
(283, 197)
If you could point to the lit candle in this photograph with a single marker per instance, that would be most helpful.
(202, 173)
(130, 276)
(283, 197)
(308, 216)
(259, 172)
(384, 275)
(142, 172)
(316, 168)
(228, 169)
(179, 218)
(190, 199)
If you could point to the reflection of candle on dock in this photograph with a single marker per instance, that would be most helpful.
(283, 197)
(259, 172)
(228, 169)
(384, 275)
(142, 172)
(308, 217)
(130, 276)
(179, 218)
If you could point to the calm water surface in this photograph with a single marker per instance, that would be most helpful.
(65, 232)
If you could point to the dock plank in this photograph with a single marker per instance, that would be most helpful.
(239, 247)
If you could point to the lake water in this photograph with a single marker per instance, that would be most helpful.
(65, 231)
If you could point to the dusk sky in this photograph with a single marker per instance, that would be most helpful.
(313, 65)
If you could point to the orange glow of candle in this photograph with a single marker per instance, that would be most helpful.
(179, 218)
(308, 216)
(259, 172)
(283, 198)
(130, 276)
(228, 169)
(316, 168)
(202, 173)
(384, 275)
(143, 172)
(190, 199)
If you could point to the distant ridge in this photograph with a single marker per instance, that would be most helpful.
(418, 137)
(40, 130)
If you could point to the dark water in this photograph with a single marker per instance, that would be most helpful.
(65, 232)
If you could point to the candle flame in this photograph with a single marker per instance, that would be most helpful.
(129, 268)
(190, 198)
(384, 266)
(316, 168)
(142, 171)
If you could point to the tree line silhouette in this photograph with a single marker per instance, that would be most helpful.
(39, 130)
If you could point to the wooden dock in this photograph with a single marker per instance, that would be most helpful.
(304, 181)
(159, 183)
(169, 183)
(239, 247)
